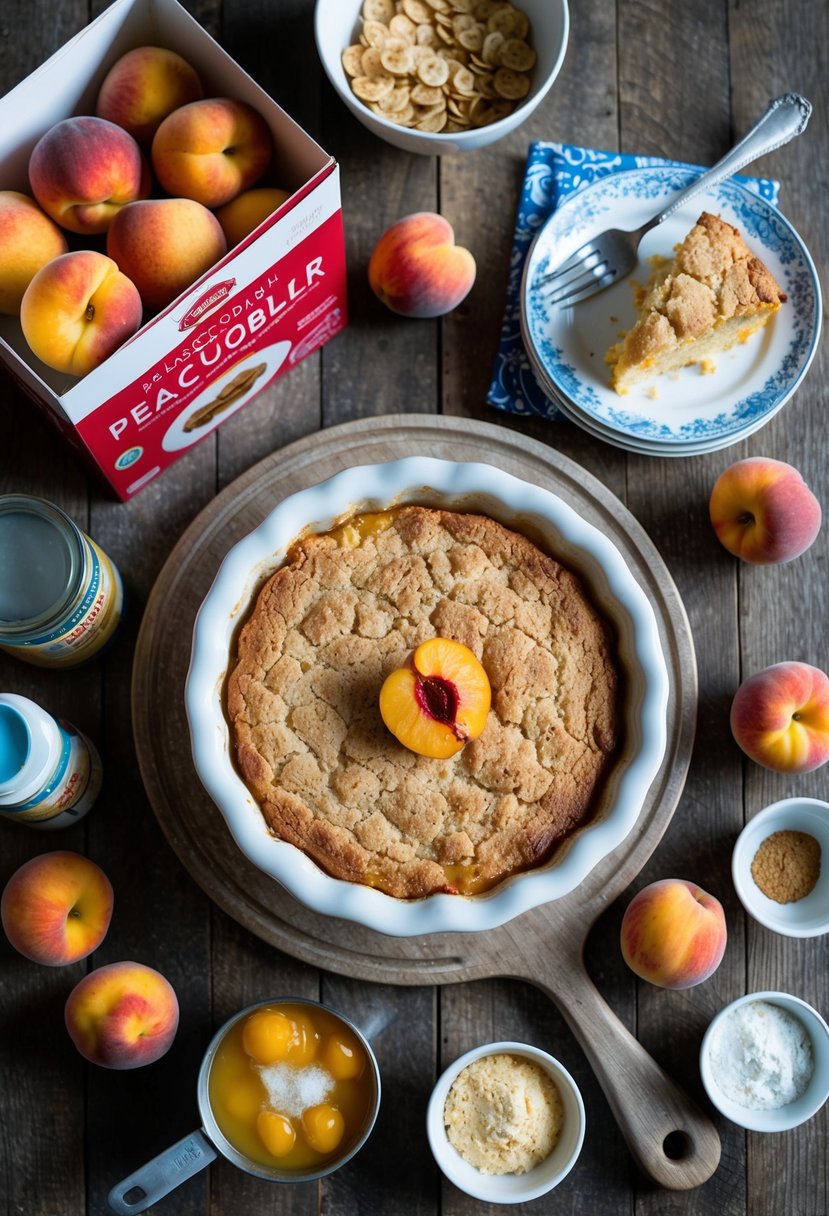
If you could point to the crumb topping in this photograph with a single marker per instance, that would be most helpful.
(330, 625)
(713, 283)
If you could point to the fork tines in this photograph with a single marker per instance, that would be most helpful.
(580, 276)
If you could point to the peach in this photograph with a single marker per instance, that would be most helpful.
(211, 150)
(83, 170)
(163, 245)
(123, 1015)
(77, 310)
(673, 934)
(56, 908)
(438, 701)
(416, 268)
(242, 214)
(763, 512)
(143, 87)
(28, 240)
(780, 717)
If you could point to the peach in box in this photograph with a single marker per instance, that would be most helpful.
(77, 310)
(123, 1015)
(164, 245)
(83, 170)
(763, 512)
(673, 934)
(143, 87)
(780, 717)
(28, 240)
(56, 908)
(211, 150)
(242, 214)
(416, 268)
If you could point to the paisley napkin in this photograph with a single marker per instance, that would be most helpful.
(553, 172)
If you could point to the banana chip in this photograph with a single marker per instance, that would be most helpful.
(441, 65)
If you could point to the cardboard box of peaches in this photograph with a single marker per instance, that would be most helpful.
(215, 263)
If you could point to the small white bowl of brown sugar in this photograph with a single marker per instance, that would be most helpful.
(505, 1122)
(780, 867)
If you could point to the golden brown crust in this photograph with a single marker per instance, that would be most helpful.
(715, 293)
(302, 700)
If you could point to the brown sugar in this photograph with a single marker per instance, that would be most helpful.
(786, 866)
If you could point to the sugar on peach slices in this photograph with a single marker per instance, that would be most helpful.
(438, 701)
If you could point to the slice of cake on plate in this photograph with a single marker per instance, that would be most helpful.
(716, 293)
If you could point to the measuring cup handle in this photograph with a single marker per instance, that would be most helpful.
(161, 1175)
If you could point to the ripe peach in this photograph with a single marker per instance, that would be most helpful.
(438, 701)
(416, 268)
(164, 245)
(123, 1015)
(56, 908)
(763, 511)
(83, 170)
(673, 934)
(77, 310)
(780, 717)
(143, 87)
(242, 214)
(211, 150)
(28, 240)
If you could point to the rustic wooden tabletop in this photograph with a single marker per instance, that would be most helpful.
(674, 80)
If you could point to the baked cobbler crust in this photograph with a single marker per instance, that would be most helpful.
(716, 293)
(329, 626)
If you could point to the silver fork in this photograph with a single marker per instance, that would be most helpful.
(611, 255)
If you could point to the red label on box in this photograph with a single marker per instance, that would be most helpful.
(236, 344)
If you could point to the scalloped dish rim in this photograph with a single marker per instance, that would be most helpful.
(455, 486)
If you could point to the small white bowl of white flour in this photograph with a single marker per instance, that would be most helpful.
(764, 1061)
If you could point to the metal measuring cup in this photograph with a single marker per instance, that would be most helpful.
(191, 1154)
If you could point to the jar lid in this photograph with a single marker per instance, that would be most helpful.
(28, 752)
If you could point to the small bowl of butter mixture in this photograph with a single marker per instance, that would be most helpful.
(506, 1122)
(764, 1061)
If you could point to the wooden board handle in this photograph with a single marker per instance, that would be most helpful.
(670, 1138)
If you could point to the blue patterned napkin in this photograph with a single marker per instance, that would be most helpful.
(553, 172)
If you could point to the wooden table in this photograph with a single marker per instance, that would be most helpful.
(673, 80)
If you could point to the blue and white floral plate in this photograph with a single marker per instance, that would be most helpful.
(688, 412)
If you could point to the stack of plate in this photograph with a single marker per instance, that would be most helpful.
(688, 412)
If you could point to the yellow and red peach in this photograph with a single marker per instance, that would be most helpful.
(77, 310)
(438, 701)
(143, 87)
(83, 170)
(163, 245)
(123, 1015)
(56, 908)
(763, 512)
(28, 240)
(780, 717)
(416, 268)
(673, 934)
(242, 214)
(211, 150)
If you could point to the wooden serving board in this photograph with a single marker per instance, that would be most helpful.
(543, 945)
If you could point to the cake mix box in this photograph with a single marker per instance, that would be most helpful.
(271, 301)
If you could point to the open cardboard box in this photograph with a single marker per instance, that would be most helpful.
(272, 300)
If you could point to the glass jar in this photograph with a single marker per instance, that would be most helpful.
(61, 597)
(50, 773)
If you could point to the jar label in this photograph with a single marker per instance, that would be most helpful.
(72, 788)
(92, 622)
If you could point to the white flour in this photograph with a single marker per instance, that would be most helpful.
(761, 1056)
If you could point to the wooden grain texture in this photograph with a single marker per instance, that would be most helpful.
(640, 75)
